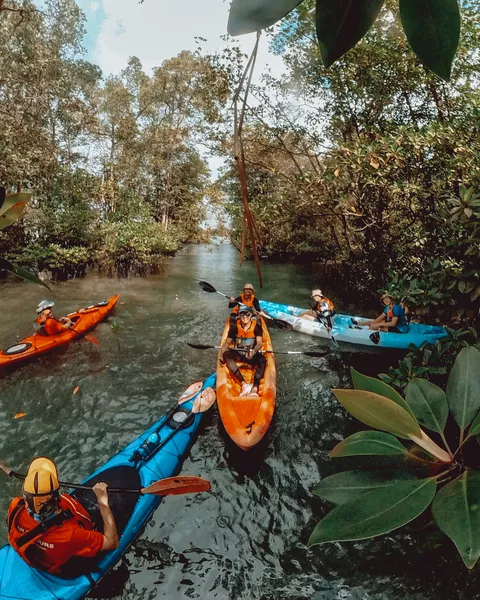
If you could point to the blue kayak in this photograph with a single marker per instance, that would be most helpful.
(146, 460)
(343, 331)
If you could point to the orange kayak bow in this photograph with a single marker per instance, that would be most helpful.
(39, 344)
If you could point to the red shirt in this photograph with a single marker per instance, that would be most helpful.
(50, 551)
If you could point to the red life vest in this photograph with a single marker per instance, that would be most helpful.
(244, 302)
(48, 550)
(48, 325)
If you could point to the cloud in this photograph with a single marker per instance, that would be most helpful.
(159, 29)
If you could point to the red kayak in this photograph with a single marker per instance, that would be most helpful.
(39, 344)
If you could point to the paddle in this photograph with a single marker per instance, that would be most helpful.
(324, 321)
(208, 287)
(317, 354)
(170, 486)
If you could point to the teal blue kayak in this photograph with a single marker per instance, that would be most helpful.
(344, 331)
(156, 454)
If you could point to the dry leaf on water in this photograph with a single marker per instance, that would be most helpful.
(20, 415)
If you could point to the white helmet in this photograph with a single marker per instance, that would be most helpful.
(44, 304)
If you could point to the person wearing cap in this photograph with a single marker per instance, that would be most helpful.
(393, 318)
(322, 309)
(48, 529)
(243, 344)
(48, 325)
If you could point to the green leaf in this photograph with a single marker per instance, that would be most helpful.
(11, 268)
(475, 428)
(369, 443)
(342, 23)
(456, 510)
(378, 412)
(12, 199)
(432, 28)
(463, 387)
(370, 384)
(429, 403)
(12, 214)
(345, 486)
(375, 513)
(247, 16)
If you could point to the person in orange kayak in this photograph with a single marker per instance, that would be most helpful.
(246, 298)
(48, 325)
(49, 529)
(246, 334)
(322, 309)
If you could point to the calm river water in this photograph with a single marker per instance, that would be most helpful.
(245, 540)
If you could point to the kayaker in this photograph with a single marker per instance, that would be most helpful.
(246, 298)
(48, 529)
(393, 318)
(47, 324)
(246, 333)
(322, 309)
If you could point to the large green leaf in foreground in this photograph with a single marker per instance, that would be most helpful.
(432, 28)
(371, 384)
(375, 513)
(345, 486)
(369, 443)
(12, 214)
(13, 199)
(463, 387)
(342, 23)
(429, 403)
(247, 16)
(379, 412)
(456, 510)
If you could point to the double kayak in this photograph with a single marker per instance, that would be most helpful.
(344, 331)
(137, 466)
(247, 418)
(39, 344)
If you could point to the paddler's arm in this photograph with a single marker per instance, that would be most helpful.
(225, 347)
(110, 534)
(257, 347)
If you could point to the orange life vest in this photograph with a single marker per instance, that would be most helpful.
(244, 302)
(49, 549)
(325, 304)
(48, 325)
(245, 338)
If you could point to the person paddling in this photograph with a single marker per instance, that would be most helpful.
(393, 319)
(245, 334)
(246, 298)
(48, 529)
(321, 310)
(48, 325)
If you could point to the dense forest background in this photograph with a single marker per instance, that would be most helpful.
(369, 169)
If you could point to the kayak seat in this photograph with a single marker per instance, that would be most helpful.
(122, 505)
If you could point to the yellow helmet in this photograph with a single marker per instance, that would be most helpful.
(41, 487)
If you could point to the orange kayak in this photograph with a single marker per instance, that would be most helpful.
(39, 344)
(247, 418)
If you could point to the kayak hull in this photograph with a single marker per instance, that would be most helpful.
(38, 344)
(19, 581)
(417, 334)
(247, 419)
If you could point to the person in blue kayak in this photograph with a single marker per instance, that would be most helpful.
(393, 319)
(322, 310)
(48, 325)
(245, 334)
(48, 529)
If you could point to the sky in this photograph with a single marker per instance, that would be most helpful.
(159, 29)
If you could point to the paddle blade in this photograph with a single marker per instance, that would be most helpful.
(207, 287)
(316, 354)
(190, 392)
(204, 401)
(200, 346)
(173, 486)
(92, 339)
(285, 325)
